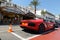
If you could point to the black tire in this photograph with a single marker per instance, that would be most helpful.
(55, 26)
(41, 28)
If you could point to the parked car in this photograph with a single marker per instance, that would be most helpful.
(57, 23)
(39, 25)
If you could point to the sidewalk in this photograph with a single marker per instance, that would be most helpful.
(55, 35)
(6, 27)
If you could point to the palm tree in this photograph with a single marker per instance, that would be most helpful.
(35, 4)
(43, 13)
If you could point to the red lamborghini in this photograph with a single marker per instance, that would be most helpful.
(39, 25)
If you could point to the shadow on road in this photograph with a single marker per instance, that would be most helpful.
(47, 32)
(30, 31)
(34, 32)
(0, 38)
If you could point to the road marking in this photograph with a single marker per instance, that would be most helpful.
(33, 37)
(18, 36)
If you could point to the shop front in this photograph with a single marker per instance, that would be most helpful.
(7, 18)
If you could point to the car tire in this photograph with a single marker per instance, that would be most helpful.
(55, 26)
(41, 28)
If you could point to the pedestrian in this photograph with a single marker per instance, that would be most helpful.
(10, 21)
(15, 20)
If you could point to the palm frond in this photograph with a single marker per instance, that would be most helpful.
(34, 3)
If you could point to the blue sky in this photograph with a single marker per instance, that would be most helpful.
(52, 6)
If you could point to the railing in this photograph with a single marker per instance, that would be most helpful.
(6, 4)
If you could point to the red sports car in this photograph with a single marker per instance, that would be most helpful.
(39, 25)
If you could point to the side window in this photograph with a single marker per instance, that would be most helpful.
(45, 20)
(51, 21)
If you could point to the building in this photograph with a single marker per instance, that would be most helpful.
(45, 14)
(57, 17)
(9, 11)
(5, 0)
(30, 8)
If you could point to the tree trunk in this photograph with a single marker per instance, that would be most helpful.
(35, 9)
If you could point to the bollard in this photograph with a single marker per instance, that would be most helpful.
(10, 28)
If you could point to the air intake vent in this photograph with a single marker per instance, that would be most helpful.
(31, 24)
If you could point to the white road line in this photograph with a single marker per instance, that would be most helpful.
(33, 37)
(18, 36)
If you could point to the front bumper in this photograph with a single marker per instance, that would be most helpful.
(29, 27)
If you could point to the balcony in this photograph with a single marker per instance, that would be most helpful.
(5, 4)
(9, 7)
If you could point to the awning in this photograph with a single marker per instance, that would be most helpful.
(29, 14)
(14, 10)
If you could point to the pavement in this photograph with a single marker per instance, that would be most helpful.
(17, 34)
(20, 34)
(54, 35)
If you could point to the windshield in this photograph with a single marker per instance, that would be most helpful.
(27, 18)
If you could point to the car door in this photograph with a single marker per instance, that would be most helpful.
(50, 24)
(46, 24)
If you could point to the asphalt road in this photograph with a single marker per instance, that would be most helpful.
(17, 34)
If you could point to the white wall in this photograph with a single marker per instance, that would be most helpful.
(57, 18)
(8, 0)
(38, 13)
(50, 16)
